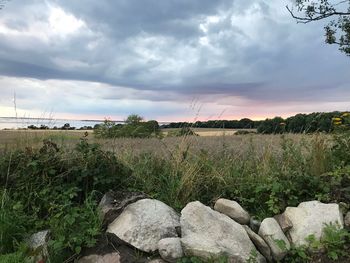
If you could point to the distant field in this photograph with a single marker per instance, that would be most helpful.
(209, 131)
(210, 140)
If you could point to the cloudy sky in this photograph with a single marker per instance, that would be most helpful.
(166, 60)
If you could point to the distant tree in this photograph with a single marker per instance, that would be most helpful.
(134, 127)
(246, 123)
(272, 126)
(337, 15)
(296, 124)
(32, 127)
(66, 126)
(133, 119)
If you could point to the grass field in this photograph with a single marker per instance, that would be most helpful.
(43, 184)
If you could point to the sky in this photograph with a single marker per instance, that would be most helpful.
(169, 60)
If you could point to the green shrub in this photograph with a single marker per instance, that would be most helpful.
(134, 127)
(53, 189)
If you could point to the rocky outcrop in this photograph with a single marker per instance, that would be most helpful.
(144, 223)
(310, 218)
(170, 249)
(259, 243)
(233, 210)
(209, 234)
(273, 235)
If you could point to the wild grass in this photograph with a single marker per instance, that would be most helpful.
(63, 178)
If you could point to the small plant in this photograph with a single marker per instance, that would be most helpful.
(335, 241)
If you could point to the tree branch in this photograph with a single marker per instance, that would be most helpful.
(320, 16)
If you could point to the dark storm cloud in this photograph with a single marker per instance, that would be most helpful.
(173, 50)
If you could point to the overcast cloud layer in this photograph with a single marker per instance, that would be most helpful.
(169, 60)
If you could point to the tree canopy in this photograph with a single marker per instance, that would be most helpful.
(335, 13)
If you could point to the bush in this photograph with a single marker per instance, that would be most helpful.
(53, 189)
(134, 127)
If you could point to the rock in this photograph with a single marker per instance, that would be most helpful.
(233, 210)
(170, 249)
(254, 224)
(284, 222)
(157, 261)
(144, 223)
(39, 239)
(259, 243)
(347, 220)
(273, 235)
(209, 234)
(113, 203)
(107, 258)
(38, 243)
(309, 218)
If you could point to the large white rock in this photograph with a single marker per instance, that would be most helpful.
(210, 235)
(145, 222)
(233, 210)
(309, 218)
(273, 235)
(170, 249)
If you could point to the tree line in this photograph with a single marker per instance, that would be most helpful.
(300, 123)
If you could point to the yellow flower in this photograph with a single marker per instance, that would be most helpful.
(337, 123)
(336, 119)
(346, 114)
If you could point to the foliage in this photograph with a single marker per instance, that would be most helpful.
(13, 223)
(336, 13)
(334, 243)
(46, 189)
(300, 123)
(57, 188)
(275, 126)
(134, 127)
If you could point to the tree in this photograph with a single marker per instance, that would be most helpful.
(337, 13)
(133, 119)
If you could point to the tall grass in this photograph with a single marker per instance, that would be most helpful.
(50, 183)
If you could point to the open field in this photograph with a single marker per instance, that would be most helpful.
(264, 173)
(214, 145)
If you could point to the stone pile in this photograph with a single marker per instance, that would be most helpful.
(141, 228)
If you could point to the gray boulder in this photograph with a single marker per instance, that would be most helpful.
(144, 223)
(210, 235)
(259, 243)
(273, 235)
(38, 244)
(310, 218)
(233, 210)
(170, 249)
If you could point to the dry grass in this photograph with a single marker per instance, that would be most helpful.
(237, 146)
